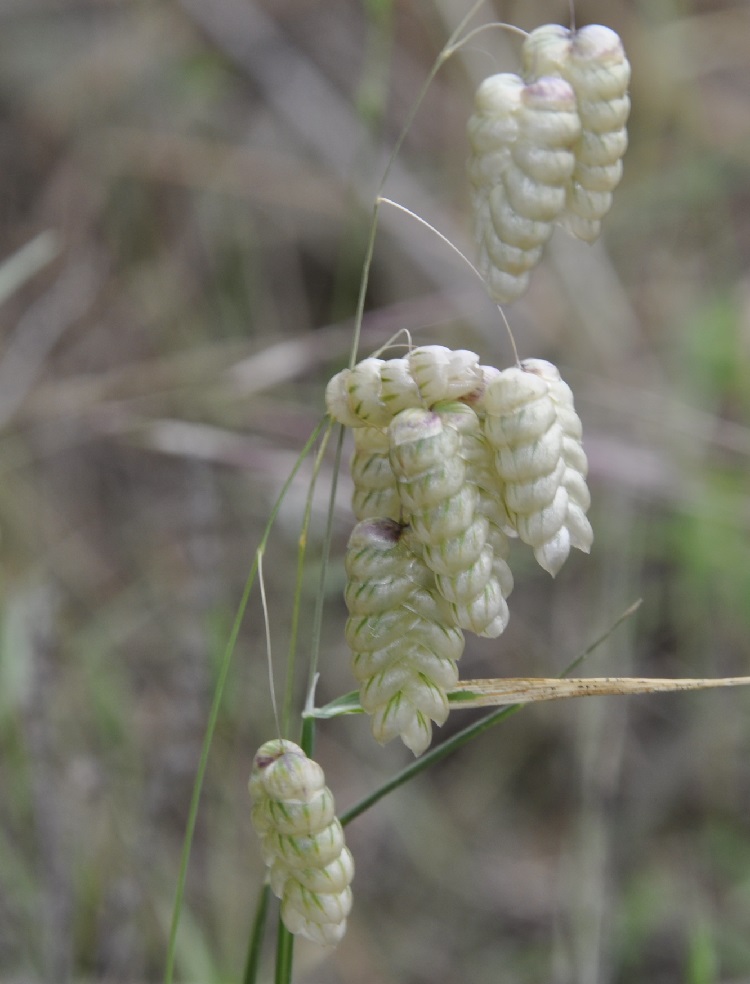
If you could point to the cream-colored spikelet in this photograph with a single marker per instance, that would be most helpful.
(593, 61)
(574, 457)
(519, 191)
(310, 867)
(521, 424)
(401, 633)
(441, 504)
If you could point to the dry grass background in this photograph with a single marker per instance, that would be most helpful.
(200, 173)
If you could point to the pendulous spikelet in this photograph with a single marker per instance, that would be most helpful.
(521, 424)
(310, 867)
(441, 505)
(573, 455)
(401, 633)
(532, 425)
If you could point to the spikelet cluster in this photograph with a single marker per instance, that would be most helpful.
(546, 148)
(399, 630)
(309, 867)
(451, 459)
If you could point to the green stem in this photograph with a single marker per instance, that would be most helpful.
(472, 731)
(256, 937)
(320, 597)
(429, 758)
(446, 52)
(284, 955)
(213, 716)
(302, 550)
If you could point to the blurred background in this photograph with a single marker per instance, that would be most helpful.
(186, 193)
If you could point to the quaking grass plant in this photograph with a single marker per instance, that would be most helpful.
(451, 459)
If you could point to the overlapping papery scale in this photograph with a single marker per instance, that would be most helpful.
(310, 867)
(522, 426)
(401, 633)
(441, 505)
(593, 61)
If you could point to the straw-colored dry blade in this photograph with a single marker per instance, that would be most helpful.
(526, 690)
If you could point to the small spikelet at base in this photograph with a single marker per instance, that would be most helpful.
(310, 868)
(404, 644)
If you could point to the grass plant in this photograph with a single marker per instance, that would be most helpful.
(161, 365)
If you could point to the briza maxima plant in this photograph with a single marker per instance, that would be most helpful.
(458, 466)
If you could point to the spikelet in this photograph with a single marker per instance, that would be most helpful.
(310, 868)
(399, 629)
(521, 424)
(593, 61)
(441, 506)
(576, 463)
(519, 186)
(375, 487)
